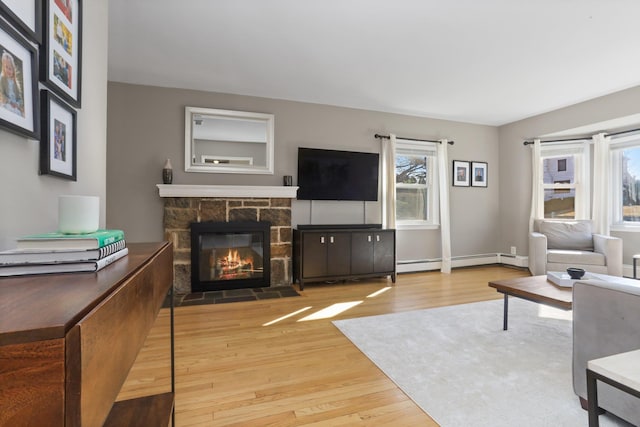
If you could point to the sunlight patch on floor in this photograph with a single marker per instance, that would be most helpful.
(286, 316)
(554, 313)
(381, 291)
(331, 311)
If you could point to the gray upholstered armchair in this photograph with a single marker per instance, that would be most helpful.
(556, 245)
(606, 321)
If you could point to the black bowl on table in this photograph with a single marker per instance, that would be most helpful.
(575, 273)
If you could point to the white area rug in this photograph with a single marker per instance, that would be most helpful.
(461, 368)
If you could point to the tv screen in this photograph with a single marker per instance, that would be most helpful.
(337, 175)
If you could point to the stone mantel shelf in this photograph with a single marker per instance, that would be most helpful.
(259, 191)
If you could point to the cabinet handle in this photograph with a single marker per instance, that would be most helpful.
(331, 239)
(369, 238)
(322, 239)
(377, 237)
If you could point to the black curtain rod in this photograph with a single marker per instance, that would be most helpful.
(411, 139)
(623, 132)
(557, 140)
(585, 138)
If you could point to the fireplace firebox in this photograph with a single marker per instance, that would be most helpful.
(230, 255)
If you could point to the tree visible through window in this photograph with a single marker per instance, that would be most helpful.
(631, 184)
(411, 187)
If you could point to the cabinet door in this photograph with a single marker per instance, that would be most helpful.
(384, 250)
(314, 254)
(339, 251)
(362, 252)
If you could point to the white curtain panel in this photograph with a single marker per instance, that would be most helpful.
(443, 184)
(389, 182)
(601, 183)
(536, 188)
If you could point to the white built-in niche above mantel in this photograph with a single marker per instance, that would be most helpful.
(259, 191)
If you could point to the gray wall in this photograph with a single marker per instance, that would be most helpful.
(29, 201)
(146, 126)
(515, 161)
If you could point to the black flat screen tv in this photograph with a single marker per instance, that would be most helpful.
(337, 175)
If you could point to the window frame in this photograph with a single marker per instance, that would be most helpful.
(429, 150)
(616, 149)
(580, 151)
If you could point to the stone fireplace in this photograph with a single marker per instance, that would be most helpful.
(187, 204)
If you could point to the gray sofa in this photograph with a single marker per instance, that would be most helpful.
(606, 321)
(555, 245)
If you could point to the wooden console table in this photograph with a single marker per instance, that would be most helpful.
(68, 341)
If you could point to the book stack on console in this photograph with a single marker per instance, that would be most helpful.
(63, 253)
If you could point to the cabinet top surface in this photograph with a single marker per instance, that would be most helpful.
(46, 306)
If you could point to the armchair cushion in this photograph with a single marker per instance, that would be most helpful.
(564, 256)
(575, 235)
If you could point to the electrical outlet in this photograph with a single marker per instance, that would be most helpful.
(513, 250)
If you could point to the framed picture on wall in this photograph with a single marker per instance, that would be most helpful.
(60, 56)
(460, 173)
(25, 15)
(479, 174)
(18, 84)
(58, 141)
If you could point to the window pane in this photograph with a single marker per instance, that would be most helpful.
(411, 204)
(631, 184)
(559, 203)
(411, 169)
(558, 170)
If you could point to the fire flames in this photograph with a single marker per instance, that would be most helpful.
(233, 265)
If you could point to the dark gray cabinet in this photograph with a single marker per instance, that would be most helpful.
(343, 252)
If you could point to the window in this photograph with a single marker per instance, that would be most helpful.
(416, 194)
(564, 181)
(562, 165)
(559, 187)
(625, 161)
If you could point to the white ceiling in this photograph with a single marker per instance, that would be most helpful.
(489, 62)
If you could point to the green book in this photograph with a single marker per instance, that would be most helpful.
(56, 240)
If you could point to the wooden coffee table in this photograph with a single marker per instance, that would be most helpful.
(535, 288)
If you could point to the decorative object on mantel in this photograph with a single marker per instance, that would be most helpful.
(167, 172)
(287, 180)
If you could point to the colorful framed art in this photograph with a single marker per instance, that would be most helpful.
(58, 141)
(61, 53)
(18, 83)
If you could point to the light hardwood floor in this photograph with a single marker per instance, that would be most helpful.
(237, 364)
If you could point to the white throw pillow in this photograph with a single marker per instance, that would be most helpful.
(568, 235)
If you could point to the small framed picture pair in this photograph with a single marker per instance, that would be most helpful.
(58, 141)
(461, 173)
(479, 174)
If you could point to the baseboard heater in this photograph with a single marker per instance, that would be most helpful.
(411, 266)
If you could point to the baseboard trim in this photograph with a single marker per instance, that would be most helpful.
(414, 266)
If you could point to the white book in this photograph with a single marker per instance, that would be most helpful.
(48, 256)
(8, 270)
